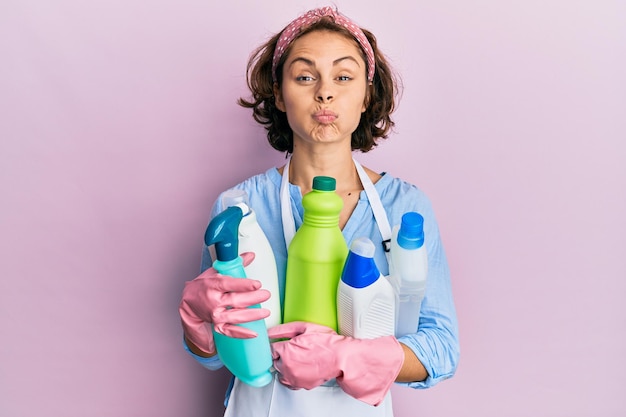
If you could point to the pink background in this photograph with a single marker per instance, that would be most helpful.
(118, 126)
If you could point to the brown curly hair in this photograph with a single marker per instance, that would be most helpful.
(375, 122)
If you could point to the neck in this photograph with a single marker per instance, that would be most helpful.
(331, 162)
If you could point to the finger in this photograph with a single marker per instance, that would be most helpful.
(247, 258)
(236, 332)
(244, 299)
(277, 350)
(286, 330)
(295, 328)
(294, 382)
(230, 284)
(285, 382)
(239, 315)
(278, 367)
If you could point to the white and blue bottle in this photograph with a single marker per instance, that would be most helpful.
(408, 271)
(366, 302)
(253, 239)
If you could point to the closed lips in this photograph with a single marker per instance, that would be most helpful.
(325, 116)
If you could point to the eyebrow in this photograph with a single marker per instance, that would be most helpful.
(311, 63)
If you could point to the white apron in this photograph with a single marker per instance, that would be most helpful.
(328, 400)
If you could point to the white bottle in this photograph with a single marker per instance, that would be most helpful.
(408, 271)
(253, 239)
(366, 302)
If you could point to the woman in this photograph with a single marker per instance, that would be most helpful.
(323, 89)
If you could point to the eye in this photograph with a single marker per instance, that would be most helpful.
(304, 78)
(344, 78)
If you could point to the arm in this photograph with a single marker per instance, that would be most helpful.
(412, 369)
(196, 350)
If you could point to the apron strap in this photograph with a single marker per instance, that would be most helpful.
(289, 225)
(377, 207)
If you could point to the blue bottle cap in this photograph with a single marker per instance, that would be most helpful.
(360, 269)
(411, 233)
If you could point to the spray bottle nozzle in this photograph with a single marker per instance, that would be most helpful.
(223, 232)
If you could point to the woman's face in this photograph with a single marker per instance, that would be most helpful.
(324, 88)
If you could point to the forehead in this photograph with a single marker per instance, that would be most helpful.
(322, 42)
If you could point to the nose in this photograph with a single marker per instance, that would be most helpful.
(323, 99)
(325, 93)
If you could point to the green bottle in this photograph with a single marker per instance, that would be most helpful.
(315, 258)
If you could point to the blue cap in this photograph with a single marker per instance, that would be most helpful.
(360, 269)
(411, 233)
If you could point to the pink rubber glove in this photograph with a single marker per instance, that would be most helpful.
(364, 368)
(220, 300)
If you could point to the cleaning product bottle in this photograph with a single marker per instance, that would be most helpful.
(366, 301)
(315, 258)
(249, 360)
(253, 239)
(408, 271)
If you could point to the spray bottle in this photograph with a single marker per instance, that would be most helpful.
(366, 301)
(408, 271)
(249, 360)
(253, 239)
(316, 256)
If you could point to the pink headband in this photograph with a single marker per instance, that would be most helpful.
(313, 16)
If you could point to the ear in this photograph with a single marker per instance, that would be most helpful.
(278, 98)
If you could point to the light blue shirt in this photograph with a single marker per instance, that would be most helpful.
(436, 342)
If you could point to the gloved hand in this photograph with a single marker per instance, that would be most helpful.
(364, 368)
(220, 300)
